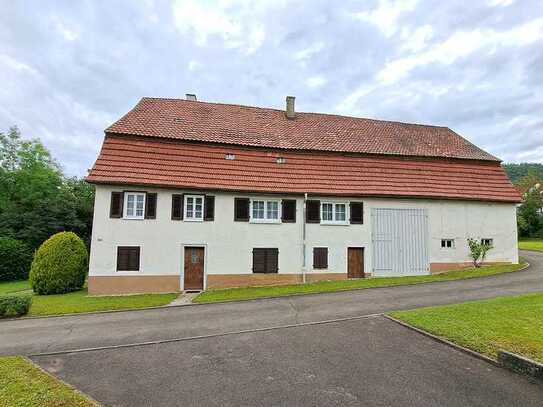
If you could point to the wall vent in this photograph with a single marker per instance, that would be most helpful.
(230, 156)
(281, 160)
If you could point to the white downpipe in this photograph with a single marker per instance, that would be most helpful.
(304, 260)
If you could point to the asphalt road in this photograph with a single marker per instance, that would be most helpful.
(32, 336)
(365, 362)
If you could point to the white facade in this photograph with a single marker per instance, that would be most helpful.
(228, 244)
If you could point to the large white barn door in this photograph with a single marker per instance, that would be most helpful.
(400, 242)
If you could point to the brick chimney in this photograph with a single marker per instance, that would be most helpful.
(191, 97)
(290, 112)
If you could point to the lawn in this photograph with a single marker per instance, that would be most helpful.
(24, 385)
(246, 293)
(14, 286)
(531, 244)
(510, 323)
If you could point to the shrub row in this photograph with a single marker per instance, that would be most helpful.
(15, 259)
(14, 305)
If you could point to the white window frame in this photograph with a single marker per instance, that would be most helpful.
(265, 219)
(125, 205)
(334, 221)
(193, 218)
(453, 244)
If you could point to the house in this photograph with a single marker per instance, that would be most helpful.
(193, 195)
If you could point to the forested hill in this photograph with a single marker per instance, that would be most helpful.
(517, 171)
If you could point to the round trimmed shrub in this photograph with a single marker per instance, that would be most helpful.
(15, 259)
(59, 265)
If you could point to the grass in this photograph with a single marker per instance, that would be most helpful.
(14, 286)
(246, 293)
(23, 384)
(510, 323)
(531, 244)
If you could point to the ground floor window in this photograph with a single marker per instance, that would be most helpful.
(265, 260)
(487, 242)
(128, 258)
(447, 243)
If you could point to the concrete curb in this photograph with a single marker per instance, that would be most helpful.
(507, 360)
(526, 266)
(58, 379)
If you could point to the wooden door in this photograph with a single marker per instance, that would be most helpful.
(194, 268)
(355, 262)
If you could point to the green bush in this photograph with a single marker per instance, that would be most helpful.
(59, 265)
(15, 259)
(14, 305)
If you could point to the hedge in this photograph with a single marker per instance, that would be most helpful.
(14, 305)
(15, 259)
(59, 265)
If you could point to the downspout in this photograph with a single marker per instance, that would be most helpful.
(304, 260)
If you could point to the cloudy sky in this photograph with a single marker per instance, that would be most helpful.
(70, 68)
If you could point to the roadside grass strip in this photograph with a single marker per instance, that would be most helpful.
(531, 244)
(22, 384)
(248, 293)
(514, 324)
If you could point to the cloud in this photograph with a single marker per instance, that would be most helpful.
(316, 81)
(386, 15)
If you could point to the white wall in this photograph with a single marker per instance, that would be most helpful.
(229, 244)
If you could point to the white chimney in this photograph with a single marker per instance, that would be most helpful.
(290, 112)
(191, 97)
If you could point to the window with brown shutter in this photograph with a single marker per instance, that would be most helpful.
(288, 210)
(357, 212)
(116, 208)
(320, 257)
(312, 211)
(128, 258)
(177, 207)
(265, 260)
(241, 209)
(209, 208)
(150, 205)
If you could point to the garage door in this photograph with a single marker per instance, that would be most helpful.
(400, 242)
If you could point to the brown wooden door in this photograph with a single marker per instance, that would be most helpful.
(355, 262)
(194, 268)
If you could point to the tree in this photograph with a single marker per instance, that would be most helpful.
(478, 251)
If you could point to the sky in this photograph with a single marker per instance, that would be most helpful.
(69, 69)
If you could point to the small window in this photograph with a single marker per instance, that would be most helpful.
(128, 258)
(194, 208)
(265, 260)
(265, 211)
(134, 205)
(487, 242)
(334, 212)
(320, 257)
(447, 243)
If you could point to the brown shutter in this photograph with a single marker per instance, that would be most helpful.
(357, 212)
(259, 260)
(116, 207)
(241, 209)
(320, 258)
(272, 260)
(288, 210)
(128, 258)
(209, 208)
(312, 211)
(177, 207)
(150, 205)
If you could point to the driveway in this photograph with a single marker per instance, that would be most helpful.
(32, 336)
(364, 362)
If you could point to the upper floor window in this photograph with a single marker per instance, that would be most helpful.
(487, 242)
(194, 208)
(447, 243)
(265, 211)
(332, 212)
(134, 205)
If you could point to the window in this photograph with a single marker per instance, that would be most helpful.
(128, 258)
(265, 211)
(134, 205)
(334, 213)
(265, 260)
(487, 242)
(320, 257)
(447, 243)
(194, 207)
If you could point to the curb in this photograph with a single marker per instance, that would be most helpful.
(526, 266)
(506, 360)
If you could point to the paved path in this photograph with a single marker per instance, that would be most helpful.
(365, 362)
(31, 336)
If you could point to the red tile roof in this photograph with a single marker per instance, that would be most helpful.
(159, 162)
(258, 127)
